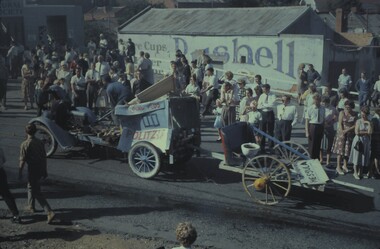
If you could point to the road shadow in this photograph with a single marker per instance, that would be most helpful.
(72, 214)
(66, 234)
(198, 170)
(338, 197)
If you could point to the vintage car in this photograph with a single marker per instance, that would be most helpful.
(162, 131)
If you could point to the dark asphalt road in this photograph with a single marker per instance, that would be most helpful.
(104, 193)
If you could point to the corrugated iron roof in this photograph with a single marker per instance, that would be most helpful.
(218, 22)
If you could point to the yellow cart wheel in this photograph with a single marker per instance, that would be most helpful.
(266, 179)
(288, 156)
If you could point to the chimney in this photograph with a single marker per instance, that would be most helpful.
(339, 20)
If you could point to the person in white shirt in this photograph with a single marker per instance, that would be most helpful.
(211, 88)
(376, 93)
(314, 127)
(287, 117)
(102, 67)
(192, 89)
(78, 87)
(63, 72)
(92, 80)
(244, 105)
(344, 80)
(266, 106)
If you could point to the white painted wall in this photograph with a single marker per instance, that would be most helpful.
(276, 58)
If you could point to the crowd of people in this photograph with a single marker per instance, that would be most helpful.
(103, 78)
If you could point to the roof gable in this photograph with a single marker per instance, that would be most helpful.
(217, 22)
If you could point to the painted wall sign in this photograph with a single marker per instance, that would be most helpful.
(275, 58)
(11, 8)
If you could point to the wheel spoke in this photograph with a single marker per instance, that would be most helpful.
(278, 185)
(271, 192)
(266, 193)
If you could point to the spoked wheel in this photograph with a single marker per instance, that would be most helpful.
(266, 179)
(288, 156)
(47, 138)
(144, 160)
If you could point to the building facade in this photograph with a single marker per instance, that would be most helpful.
(30, 24)
(270, 41)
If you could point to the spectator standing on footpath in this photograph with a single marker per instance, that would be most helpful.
(131, 50)
(218, 123)
(92, 81)
(198, 73)
(245, 105)
(332, 95)
(301, 81)
(228, 97)
(375, 145)
(149, 70)
(78, 86)
(361, 149)
(254, 120)
(27, 85)
(210, 87)
(102, 67)
(312, 75)
(186, 235)
(345, 135)
(103, 45)
(186, 70)
(266, 106)
(331, 117)
(5, 193)
(376, 93)
(363, 87)
(287, 118)
(32, 153)
(13, 61)
(344, 81)
(3, 83)
(315, 119)
(343, 98)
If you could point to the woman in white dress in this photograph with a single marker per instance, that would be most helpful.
(244, 106)
(361, 145)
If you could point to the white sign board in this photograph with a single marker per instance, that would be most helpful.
(276, 58)
(312, 172)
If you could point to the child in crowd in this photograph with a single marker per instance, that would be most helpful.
(218, 119)
(254, 119)
(186, 235)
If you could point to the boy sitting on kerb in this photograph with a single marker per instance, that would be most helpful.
(186, 235)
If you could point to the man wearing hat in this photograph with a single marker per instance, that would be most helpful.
(266, 104)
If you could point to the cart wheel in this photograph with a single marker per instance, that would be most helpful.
(287, 155)
(266, 179)
(144, 160)
(47, 138)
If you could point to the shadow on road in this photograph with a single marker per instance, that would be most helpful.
(71, 214)
(198, 170)
(58, 233)
(332, 198)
